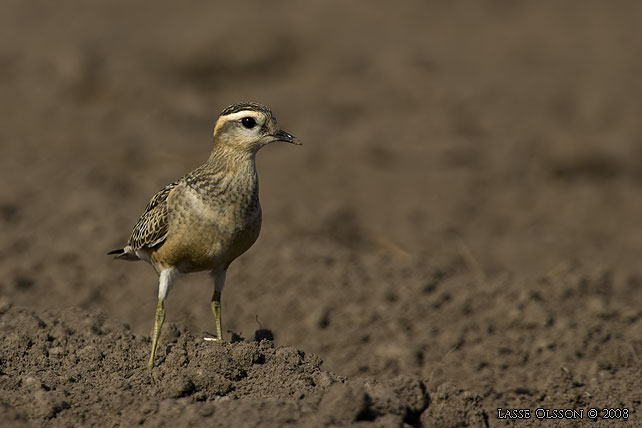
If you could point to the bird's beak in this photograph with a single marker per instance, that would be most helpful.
(281, 135)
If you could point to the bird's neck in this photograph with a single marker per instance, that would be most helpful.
(233, 168)
(231, 161)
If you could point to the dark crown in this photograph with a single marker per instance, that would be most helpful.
(234, 108)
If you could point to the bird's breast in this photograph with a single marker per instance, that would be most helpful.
(209, 230)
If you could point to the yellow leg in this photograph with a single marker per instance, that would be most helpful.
(216, 311)
(158, 324)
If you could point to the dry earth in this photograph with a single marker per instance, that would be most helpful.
(459, 233)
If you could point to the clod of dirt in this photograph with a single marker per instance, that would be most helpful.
(391, 403)
(12, 418)
(453, 407)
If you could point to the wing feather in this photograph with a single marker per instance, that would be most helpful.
(151, 229)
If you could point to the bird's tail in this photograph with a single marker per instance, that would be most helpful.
(122, 253)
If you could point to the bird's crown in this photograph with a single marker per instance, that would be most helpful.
(248, 106)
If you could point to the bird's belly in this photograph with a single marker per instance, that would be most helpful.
(230, 238)
(210, 239)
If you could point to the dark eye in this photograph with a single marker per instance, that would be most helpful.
(248, 122)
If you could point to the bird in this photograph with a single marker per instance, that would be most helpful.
(206, 219)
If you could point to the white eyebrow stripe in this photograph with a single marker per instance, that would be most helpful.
(241, 114)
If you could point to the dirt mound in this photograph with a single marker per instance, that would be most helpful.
(74, 368)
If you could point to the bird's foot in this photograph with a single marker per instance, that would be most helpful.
(139, 371)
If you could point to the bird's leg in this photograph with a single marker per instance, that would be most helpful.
(165, 281)
(219, 283)
(158, 325)
(216, 311)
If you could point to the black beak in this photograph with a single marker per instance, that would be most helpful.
(281, 135)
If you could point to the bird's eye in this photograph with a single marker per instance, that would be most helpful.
(248, 122)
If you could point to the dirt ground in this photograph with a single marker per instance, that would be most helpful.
(459, 233)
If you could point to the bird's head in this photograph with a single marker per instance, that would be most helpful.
(247, 127)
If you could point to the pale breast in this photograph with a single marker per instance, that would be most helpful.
(209, 232)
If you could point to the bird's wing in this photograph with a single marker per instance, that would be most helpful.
(151, 228)
(161, 196)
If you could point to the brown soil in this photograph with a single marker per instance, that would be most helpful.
(459, 233)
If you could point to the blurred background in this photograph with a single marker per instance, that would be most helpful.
(455, 155)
